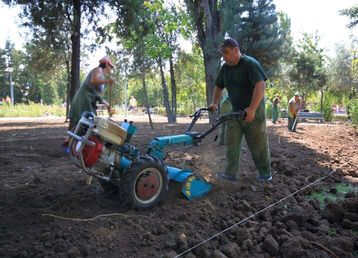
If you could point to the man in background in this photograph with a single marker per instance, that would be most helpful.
(294, 106)
(275, 109)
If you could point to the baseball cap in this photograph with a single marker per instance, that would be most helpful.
(106, 60)
(228, 42)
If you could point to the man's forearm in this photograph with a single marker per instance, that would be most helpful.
(217, 95)
(292, 109)
(258, 95)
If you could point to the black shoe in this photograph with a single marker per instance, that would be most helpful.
(224, 176)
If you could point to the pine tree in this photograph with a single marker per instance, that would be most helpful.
(260, 31)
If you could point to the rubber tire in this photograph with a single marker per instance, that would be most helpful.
(128, 183)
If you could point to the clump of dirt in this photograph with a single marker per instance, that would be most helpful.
(48, 210)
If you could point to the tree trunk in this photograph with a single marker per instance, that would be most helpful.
(165, 93)
(174, 89)
(146, 100)
(68, 70)
(321, 100)
(76, 48)
(212, 66)
(206, 17)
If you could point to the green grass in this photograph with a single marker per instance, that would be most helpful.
(31, 110)
(323, 195)
(332, 232)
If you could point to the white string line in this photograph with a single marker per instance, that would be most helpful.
(253, 215)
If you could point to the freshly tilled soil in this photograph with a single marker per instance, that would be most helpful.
(48, 210)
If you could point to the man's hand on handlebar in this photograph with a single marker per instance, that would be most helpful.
(250, 114)
(213, 107)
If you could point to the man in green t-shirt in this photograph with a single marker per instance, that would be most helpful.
(244, 79)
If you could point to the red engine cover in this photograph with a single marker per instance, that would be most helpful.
(92, 153)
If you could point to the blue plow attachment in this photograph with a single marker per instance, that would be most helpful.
(193, 186)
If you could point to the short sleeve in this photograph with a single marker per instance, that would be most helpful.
(219, 82)
(256, 73)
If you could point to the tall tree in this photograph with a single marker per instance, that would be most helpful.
(253, 23)
(59, 22)
(352, 13)
(16, 61)
(191, 80)
(207, 16)
(155, 27)
(308, 71)
(341, 70)
(261, 31)
(142, 65)
(162, 43)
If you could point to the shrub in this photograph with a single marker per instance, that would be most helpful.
(327, 107)
(268, 106)
(353, 109)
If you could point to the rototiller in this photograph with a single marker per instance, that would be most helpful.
(101, 147)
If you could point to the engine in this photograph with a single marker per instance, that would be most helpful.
(97, 142)
(100, 156)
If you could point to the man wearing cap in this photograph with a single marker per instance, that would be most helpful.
(275, 109)
(244, 79)
(91, 91)
(293, 107)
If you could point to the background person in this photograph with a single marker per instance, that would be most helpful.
(275, 109)
(91, 92)
(132, 104)
(293, 107)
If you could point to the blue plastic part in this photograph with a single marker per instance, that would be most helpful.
(178, 175)
(195, 188)
(156, 147)
(124, 163)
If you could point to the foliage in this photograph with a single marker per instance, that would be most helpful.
(342, 70)
(154, 91)
(327, 110)
(254, 23)
(148, 31)
(308, 72)
(352, 13)
(58, 23)
(260, 30)
(268, 107)
(190, 74)
(353, 108)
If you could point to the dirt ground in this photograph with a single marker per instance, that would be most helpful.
(48, 210)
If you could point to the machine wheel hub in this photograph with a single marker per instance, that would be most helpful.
(148, 185)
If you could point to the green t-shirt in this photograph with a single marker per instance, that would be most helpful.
(240, 80)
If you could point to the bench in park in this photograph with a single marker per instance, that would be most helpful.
(303, 115)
